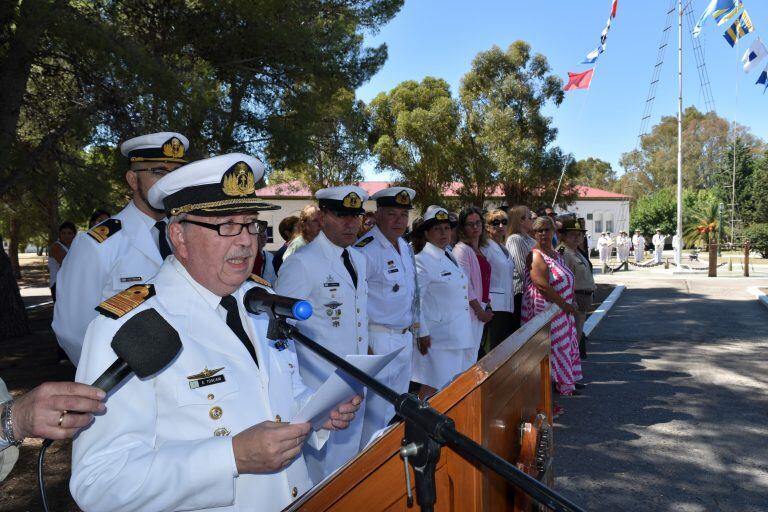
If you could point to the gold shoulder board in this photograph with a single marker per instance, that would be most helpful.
(260, 280)
(127, 300)
(105, 230)
(365, 241)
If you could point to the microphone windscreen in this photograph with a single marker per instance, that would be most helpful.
(147, 342)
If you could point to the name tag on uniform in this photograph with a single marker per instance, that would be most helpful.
(331, 285)
(392, 270)
(445, 273)
(200, 383)
(130, 279)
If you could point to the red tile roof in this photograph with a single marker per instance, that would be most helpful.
(297, 190)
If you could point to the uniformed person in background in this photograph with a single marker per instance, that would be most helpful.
(604, 246)
(331, 275)
(393, 300)
(638, 242)
(213, 429)
(449, 348)
(572, 237)
(622, 247)
(122, 251)
(658, 241)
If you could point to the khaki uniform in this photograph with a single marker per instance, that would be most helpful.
(584, 284)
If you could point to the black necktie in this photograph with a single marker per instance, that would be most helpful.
(350, 268)
(229, 303)
(450, 257)
(165, 248)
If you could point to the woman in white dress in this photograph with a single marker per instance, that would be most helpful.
(447, 347)
(502, 288)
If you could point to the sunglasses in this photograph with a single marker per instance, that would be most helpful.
(499, 222)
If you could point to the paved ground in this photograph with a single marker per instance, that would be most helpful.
(675, 416)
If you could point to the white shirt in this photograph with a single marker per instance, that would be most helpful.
(502, 272)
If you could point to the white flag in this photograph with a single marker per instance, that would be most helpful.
(754, 54)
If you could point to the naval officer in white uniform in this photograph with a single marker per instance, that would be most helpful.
(212, 430)
(450, 348)
(330, 274)
(122, 251)
(393, 299)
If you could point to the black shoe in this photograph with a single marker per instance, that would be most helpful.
(579, 385)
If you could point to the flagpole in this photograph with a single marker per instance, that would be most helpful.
(678, 250)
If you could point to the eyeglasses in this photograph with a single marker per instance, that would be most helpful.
(255, 227)
(476, 224)
(499, 222)
(158, 172)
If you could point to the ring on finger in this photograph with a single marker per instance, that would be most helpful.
(61, 417)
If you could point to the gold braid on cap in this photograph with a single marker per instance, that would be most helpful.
(215, 204)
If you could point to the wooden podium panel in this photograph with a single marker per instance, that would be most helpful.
(488, 403)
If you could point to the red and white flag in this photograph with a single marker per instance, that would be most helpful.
(614, 6)
(579, 80)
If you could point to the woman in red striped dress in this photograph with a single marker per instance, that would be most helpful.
(549, 280)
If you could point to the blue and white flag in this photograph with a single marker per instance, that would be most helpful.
(754, 54)
(763, 79)
(592, 56)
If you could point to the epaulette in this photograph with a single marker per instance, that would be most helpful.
(365, 241)
(260, 280)
(127, 300)
(561, 249)
(105, 230)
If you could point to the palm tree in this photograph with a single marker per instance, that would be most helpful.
(701, 225)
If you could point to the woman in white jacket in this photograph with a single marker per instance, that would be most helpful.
(502, 287)
(447, 347)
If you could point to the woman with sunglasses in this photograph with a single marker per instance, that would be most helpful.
(549, 280)
(502, 289)
(472, 237)
(519, 245)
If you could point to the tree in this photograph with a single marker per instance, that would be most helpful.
(659, 210)
(593, 172)
(414, 134)
(503, 96)
(756, 208)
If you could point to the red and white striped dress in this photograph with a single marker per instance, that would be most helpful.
(564, 361)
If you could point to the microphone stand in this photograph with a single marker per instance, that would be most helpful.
(426, 430)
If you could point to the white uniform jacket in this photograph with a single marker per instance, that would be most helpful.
(269, 268)
(93, 272)
(502, 271)
(444, 303)
(164, 443)
(659, 241)
(316, 273)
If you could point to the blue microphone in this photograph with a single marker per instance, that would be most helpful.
(259, 300)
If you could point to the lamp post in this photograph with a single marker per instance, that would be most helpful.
(720, 209)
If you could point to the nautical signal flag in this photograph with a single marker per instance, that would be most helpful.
(754, 54)
(763, 79)
(721, 10)
(741, 27)
(579, 80)
(614, 6)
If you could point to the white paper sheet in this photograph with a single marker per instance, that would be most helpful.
(340, 387)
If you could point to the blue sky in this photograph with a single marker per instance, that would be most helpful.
(440, 38)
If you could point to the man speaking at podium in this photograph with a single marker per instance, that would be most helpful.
(212, 430)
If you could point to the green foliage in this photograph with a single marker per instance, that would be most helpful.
(593, 172)
(414, 134)
(754, 200)
(659, 211)
(757, 234)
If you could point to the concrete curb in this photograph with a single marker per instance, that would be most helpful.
(759, 295)
(596, 317)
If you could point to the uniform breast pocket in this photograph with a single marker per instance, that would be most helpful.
(205, 390)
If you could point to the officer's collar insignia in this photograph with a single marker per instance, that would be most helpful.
(238, 181)
(577, 226)
(403, 197)
(441, 215)
(260, 280)
(365, 241)
(205, 373)
(352, 200)
(105, 230)
(127, 300)
(173, 148)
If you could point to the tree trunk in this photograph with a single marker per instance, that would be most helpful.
(13, 246)
(14, 317)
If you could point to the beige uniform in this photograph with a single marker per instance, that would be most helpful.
(584, 285)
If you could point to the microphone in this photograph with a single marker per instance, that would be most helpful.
(144, 345)
(258, 300)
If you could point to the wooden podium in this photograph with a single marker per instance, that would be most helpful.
(488, 403)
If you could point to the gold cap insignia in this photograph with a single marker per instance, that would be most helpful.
(238, 181)
(441, 215)
(173, 148)
(403, 197)
(577, 226)
(352, 200)
(205, 373)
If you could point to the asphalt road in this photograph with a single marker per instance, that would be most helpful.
(675, 414)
